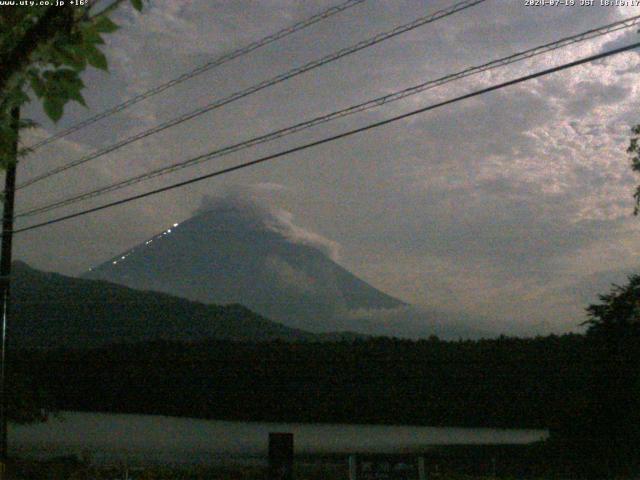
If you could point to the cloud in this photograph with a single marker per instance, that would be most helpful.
(590, 94)
(243, 208)
(419, 322)
(499, 206)
(587, 290)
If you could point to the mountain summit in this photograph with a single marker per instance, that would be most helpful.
(238, 252)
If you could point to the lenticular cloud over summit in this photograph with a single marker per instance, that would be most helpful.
(243, 211)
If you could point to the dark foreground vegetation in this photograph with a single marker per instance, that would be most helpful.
(552, 382)
(584, 388)
(72, 469)
(68, 468)
(532, 462)
(492, 383)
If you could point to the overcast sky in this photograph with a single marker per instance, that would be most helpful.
(516, 205)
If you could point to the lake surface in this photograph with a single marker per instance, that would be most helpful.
(152, 439)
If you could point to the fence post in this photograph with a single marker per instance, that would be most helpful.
(353, 467)
(280, 456)
(422, 472)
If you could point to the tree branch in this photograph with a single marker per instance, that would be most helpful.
(53, 21)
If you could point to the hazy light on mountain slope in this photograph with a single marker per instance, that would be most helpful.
(235, 250)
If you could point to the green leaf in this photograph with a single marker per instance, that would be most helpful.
(105, 25)
(90, 36)
(69, 76)
(96, 58)
(79, 56)
(77, 96)
(60, 86)
(53, 107)
(70, 57)
(20, 97)
(137, 4)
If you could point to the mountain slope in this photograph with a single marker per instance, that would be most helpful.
(233, 254)
(52, 310)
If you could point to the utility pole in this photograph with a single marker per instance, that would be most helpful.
(5, 284)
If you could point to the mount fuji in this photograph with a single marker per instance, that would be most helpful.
(237, 252)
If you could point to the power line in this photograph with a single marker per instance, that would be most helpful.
(202, 69)
(332, 138)
(590, 34)
(261, 86)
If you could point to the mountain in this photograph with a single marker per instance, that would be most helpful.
(233, 255)
(52, 310)
(239, 252)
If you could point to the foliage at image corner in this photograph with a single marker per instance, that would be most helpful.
(620, 308)
(634, 150)
(44, 51)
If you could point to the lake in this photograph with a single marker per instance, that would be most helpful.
(152, 439)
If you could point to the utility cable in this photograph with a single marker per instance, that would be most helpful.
(333, 138)
(516, 57)
(260, 86)
(201, 69)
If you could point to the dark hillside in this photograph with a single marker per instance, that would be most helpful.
(53, 310)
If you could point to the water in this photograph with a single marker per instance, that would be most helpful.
(152, 439)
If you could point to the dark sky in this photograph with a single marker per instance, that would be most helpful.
(515, 205)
